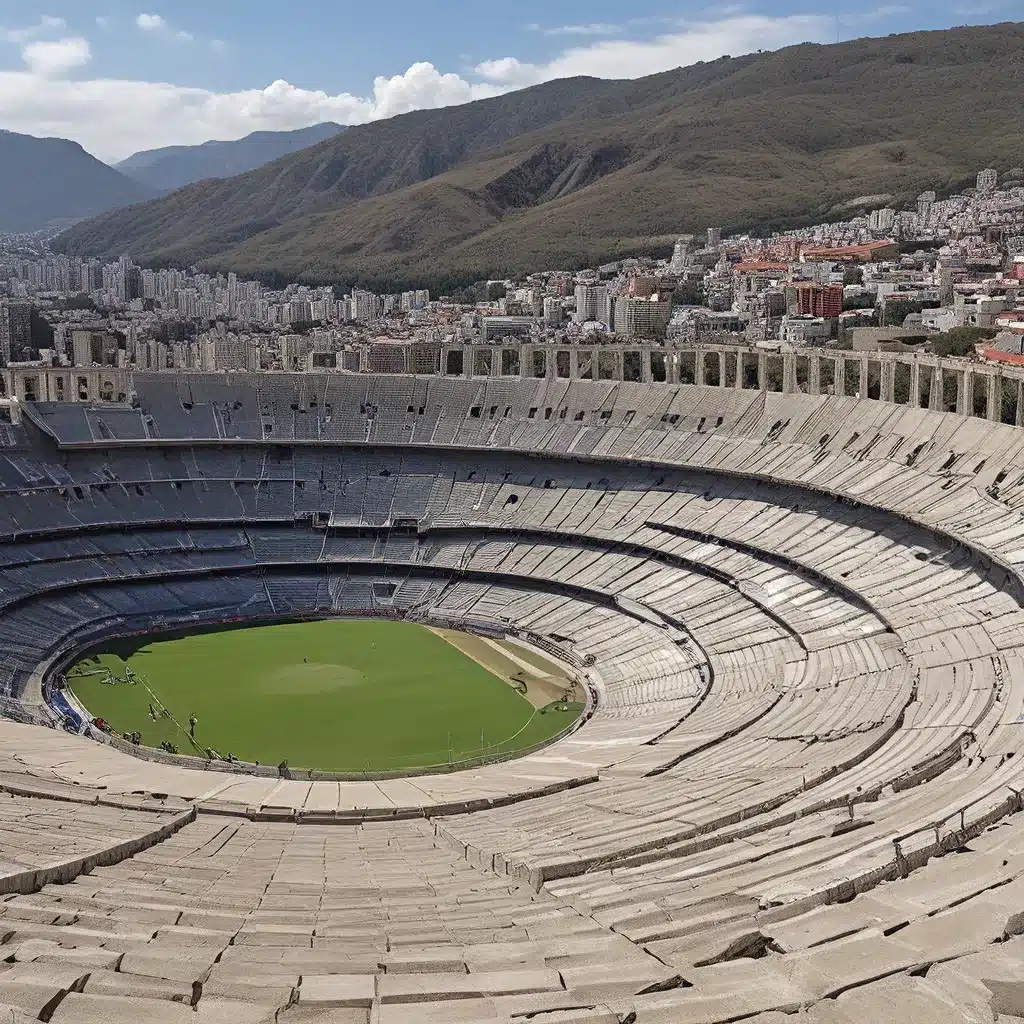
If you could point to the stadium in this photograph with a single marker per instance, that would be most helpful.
(518, 698)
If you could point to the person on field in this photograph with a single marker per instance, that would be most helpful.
(152, 711)
(192, 723)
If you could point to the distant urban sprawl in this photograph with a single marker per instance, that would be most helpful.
(888, 277)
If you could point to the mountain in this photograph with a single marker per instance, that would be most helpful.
(163, 170)
(53, 182)
(581, 170)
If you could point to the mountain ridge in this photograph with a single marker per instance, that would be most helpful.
(47, 182)
(172, 167)
(578, 170)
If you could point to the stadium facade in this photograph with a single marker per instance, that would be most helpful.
(798, 616)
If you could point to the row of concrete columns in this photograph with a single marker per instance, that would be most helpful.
(610, 363)
(736, 368)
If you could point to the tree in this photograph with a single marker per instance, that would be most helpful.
(897, 310)
(960, 341)
(863, 301)
(688, 293)
(853, 274)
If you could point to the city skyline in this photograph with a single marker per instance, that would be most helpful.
(119, 77)
(917, 274)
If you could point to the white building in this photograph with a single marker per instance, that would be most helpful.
(988, 179)
(805, 330)
(593, 302)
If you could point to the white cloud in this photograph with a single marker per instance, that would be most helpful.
(158, 24)
(56, 58)
(47, 23)
(593, 29)
(614, 58)
(113, 118)
(882, 13)
(508, 72)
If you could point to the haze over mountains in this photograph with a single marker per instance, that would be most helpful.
(577, 171)
(48, 183)
(169, 168)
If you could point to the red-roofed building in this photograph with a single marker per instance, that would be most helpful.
(869, 252)
(1010, 319)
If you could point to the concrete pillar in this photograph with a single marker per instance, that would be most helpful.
(762, 371)
(574, 364)
(814, 374)
(887, 371)
(672, 367)
(620, 365)
(721, 370)
(698, 367)
(965, 393)
(495, 362)
(935, 396)
(914, 399)
(1020, 403)
(994, 397)
(587, 361)
(865, 370)
(789, 373)
(839, 387)
(738, 383)
(646, 373)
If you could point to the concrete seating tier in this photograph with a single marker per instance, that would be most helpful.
(47, 840)
(801, 616)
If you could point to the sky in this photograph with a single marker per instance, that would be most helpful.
(120, 76)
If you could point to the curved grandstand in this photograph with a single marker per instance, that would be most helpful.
(798, 621)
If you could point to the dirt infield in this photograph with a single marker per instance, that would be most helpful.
(539, 679)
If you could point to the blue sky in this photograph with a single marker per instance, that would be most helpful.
(120, 75)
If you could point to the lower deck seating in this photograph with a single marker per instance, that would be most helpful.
(231, 920)
(42, 840)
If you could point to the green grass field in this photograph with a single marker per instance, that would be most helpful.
(334, 695)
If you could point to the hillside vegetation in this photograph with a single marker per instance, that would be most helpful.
(582, 170)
